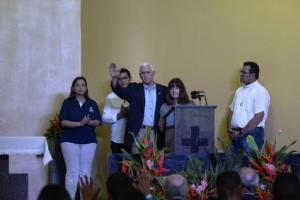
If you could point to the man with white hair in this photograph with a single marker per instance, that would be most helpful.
(175, 187)
(145, 100)
(250, 181)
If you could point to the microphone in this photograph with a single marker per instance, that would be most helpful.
(196, 94)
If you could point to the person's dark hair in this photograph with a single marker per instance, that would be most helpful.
(72, 93)
(117, 183)
(229, 184)
(124, 70)
(286, 187)
(132, 193)
(254, 68)
(183, 96)
(50, 192)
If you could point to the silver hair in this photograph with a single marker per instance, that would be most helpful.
(147, 65)
(249, 178)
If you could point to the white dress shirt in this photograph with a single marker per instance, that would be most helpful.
(111, 109)
(249, 100)
(150, 104)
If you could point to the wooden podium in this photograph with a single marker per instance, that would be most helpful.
(194, 129)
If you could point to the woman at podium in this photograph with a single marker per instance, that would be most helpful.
(176, 95)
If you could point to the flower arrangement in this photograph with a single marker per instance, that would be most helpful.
(54, 130)
(150, 159)
(197, 179)
(201, 182)
(268, 163)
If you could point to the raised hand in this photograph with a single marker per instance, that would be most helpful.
(114, 71)
(87, 189)
(143, 180)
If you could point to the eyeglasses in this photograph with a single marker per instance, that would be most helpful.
(123, 78)
(243, 72)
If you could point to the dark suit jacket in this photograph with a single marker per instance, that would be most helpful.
(135, 95)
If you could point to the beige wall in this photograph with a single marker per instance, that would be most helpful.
(40, 55)
(204, 42)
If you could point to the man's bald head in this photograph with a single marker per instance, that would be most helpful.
(175, 187)
(250, 178)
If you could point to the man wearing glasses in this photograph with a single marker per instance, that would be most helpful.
(115, 112)
(248, 110)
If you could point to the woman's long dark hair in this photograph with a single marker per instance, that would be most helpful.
(72, 92)
(183, 96)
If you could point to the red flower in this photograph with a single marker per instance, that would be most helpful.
(270, 169)
(271, 150)
(268, 178)
(124, 168)
(146, 140)
(161, 160)
(149, 153)
(159, 172)
(256, 166)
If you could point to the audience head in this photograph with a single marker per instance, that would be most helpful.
(132, 193)
(124, 77)
(229, 186)
(177, 92)
(286, 187)
(118, 183)
(147, 73)
(50, 192)
(79, 85)
(249, 178)
(175, 187)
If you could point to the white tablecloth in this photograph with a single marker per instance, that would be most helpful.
(31, 145)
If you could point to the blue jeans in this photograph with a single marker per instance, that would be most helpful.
(258, 134)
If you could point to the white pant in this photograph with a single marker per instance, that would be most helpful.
(79, 161)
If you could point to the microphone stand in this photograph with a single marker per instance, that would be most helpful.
(205, 98)
(202, 95)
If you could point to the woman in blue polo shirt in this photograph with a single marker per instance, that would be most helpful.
(79, 115)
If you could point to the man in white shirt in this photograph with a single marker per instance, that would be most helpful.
(249, 110)
(115, 112)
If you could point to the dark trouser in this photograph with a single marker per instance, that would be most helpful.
(241, 143)
(116, 148)
(161, 141)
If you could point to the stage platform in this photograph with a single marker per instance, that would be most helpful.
(177, 163)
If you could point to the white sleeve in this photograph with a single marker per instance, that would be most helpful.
(109, 113)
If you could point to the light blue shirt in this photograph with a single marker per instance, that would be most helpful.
(150, 102)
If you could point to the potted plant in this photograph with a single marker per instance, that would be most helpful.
(57, 168)
(54, 130)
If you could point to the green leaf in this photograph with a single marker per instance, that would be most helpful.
(194, 170)
(252, 144)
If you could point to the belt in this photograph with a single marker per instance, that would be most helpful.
(239, 129)
(145, 126)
